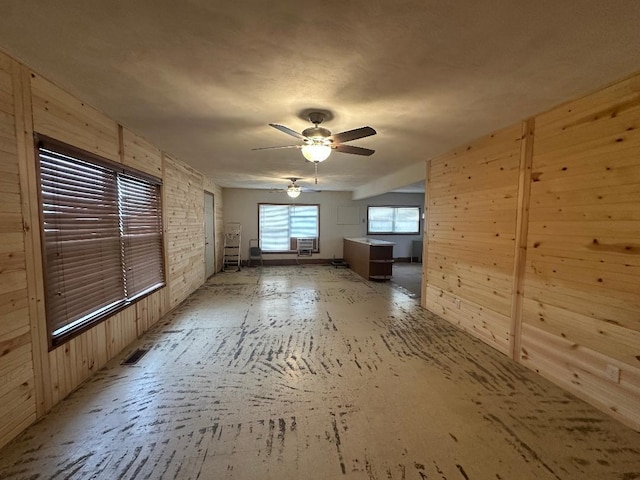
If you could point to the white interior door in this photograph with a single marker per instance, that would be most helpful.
(209, 235)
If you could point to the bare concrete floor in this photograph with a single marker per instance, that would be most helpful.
(309, 372)
(408, 276)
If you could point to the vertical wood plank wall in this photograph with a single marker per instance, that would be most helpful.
(471, 216)
(184, 211)
(65, 118)
(33, 379)
(577, 282)
(581, 308)
(17, 390)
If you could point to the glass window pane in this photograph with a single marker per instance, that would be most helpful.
(407, 220)
(393, 220)
(274, 227)
(304, 221)
(278, 224)
(380, 219)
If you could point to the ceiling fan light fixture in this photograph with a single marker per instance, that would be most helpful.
(293, 191)
(315, 152)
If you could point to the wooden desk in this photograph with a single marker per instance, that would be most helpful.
(369, 258)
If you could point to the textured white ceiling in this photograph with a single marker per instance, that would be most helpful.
(202, 79)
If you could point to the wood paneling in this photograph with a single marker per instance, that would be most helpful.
(425, 238)
(581, 370)
(17, 378)
(184, 211)
(73, 362)
(29, 190)
(489, 326)
(522, 228)
(582, 277)
(63, 117)
(470, 234)
(150, 309)
(76, 360)
(32, 378)
(140, 154)
(568, 301)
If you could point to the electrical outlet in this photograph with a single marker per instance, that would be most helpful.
(613, 373)
(457, 302)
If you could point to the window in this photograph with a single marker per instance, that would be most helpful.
(102, 237)
(281, 225)
(393, 220)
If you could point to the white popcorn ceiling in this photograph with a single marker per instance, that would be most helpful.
(202, 79)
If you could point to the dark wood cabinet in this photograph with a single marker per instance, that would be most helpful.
(369, 258)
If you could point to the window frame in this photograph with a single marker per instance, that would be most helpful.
(395, 208)
(289, 205)
(99, 314)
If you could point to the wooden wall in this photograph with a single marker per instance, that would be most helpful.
(136, 152)
(472, 198)
(558, 288)
(17, 390)
(581, 307)
(32, 378)
(184, 213)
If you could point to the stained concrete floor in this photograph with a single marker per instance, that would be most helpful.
(310, 372)
(408, 276)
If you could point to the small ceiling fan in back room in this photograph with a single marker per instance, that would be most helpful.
(293, 189)
(319, 142)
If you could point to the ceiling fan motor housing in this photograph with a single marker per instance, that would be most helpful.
(318, 133)
(319, 142)
(316, 118)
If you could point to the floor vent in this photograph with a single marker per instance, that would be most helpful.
(134, 357)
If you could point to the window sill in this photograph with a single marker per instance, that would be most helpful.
(92, 321)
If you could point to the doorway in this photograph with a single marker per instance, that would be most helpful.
(209, 235)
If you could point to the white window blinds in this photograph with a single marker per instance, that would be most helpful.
(141, 234)
(278, 224)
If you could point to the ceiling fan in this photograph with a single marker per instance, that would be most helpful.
(318, 141)
(293, 189)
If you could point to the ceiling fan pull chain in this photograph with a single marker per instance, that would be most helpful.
(316, 164)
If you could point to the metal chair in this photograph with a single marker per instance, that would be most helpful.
(255, 252)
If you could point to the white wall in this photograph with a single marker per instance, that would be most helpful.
(400, 178)
(241, 205)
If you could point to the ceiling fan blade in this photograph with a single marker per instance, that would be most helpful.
(354, 150)
(288, 131)
(353, 134)
(283, 146)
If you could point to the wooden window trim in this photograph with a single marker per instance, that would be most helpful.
(132, 238)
